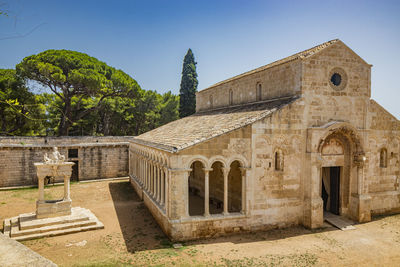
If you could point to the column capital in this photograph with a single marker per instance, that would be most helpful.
(243, 170)
(208, 170)
(166, 169)
(226, 170)
(359, 160)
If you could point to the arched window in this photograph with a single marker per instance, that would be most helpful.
(196, 189)
(235, 187)
(278, 160)
(216, 188)
(383, 158)
(211, 101)
(259, 91)
(230, 97)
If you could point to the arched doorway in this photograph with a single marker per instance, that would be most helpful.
(339, 172)
(334, 172)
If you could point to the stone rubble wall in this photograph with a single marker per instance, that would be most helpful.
(98, 157)
(63, 140)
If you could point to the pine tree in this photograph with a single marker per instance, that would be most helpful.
(187, 92)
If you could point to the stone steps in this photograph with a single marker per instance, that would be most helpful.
(27, 226)
(15, 231)
(60, 232)
(29, 221)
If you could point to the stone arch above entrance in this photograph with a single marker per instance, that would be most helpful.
(340, 131)
(332, 147)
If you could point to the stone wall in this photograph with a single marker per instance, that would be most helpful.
(324, 101)
(383, 182)
(96, 157)
(277, 81)
(377, 128)
(64, 140)
(277, 193)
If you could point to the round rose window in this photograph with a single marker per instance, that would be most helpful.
(338, 79)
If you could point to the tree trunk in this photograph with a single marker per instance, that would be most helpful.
(65, 123)
(3, 121)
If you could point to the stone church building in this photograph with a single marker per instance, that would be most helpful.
(273, 147)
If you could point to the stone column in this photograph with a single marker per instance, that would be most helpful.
(135, 169)
(153, 179)
(362, 201)
(226, 173)
(146, 174)
(145, 180)
(243, 171)
(167, 180)
(141, 179)
(148, 168)
(145, 166)
(41, 188)
(66, 188)
(140, 167)
(206, 192)
(186, 175)
(137, 166)
(158, 182)
(360, 168)
(162, 185)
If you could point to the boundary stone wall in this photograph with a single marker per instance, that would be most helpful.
(95, 157)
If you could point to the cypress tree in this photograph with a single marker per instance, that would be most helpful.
(187, 92)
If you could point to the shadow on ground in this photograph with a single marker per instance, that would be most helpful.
(141, 231)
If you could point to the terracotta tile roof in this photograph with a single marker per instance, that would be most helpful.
(300, 55)
(202, 126)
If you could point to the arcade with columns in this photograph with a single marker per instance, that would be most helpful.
(201, 191)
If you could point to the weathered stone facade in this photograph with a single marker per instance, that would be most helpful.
(274, 147)
(94, 157)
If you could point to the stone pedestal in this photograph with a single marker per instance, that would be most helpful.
(53, 208)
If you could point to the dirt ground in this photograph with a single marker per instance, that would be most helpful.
(132, 237)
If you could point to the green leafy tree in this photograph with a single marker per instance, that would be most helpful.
(81, 82)
(20, 113)
(168, 108)
(187, 92)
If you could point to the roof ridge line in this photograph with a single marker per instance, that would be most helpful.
(275, 63)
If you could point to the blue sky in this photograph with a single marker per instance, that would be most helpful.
(148, 39)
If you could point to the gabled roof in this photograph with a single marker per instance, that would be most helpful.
(202, 126)
(301, 55)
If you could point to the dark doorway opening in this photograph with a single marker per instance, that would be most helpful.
(330, 192)
(72, 153)
(75, 171)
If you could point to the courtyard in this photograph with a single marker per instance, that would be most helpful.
(132, 237)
